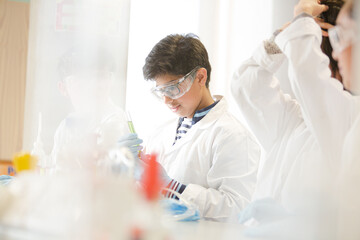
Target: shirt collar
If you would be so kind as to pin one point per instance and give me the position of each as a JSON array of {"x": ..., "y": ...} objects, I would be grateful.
[{"x": 199, "y": 114}]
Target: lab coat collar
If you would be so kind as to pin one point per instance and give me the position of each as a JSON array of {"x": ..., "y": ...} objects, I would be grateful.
[
  {"x": 215, "y": 113},
  {"x": 200, "y": 114}
]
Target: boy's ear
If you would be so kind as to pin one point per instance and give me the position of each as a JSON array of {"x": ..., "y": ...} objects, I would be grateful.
[
  {"x": 62, "y": 88},
  {"x": 202, "y": 76}
]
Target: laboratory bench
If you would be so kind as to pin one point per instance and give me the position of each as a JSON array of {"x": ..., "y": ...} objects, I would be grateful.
[
  {"x": 179, "y": 231},
  {"x": 209, "y": 230}
]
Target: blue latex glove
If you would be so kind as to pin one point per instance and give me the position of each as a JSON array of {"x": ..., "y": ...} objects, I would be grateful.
[
  {"x": 5, "y": 179},
  {"x": 180, "y": 211},
  {"x": 132, "y": 142},
  {"x": 263, "y": 210}
]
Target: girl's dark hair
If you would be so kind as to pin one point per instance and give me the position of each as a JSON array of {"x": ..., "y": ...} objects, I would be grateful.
[
  {"x": 334, "y": 8},
  {"x": 330, "y": 17},
  {"x": 176, "y": 55}
]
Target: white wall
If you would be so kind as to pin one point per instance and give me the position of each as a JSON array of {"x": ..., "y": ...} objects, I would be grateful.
[{"x": 150, "y": 21}]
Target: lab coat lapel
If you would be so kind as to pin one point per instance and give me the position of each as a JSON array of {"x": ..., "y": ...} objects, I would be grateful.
[{"x": 203, "y": 124}]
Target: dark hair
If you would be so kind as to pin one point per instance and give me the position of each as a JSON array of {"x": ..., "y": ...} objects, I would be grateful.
[
  {"x": 330, "y": 17},
  {"x": 331, "y": 14},
  {"x": 176, "y": 55},
  {"x": 85, "y": 58}
]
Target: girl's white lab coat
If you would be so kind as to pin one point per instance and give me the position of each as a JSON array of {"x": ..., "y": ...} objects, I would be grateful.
[
  {"x": 217, "y": 160},
  {"x": 328, "y": 110},
  {"x": 348, "y": 190},
  {"x": 292, "y": 154}
]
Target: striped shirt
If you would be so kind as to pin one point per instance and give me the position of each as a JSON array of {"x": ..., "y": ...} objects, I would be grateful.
[
  {"x": 183, "y": 127},
  {"x": 175, "y": 186},
  {"x": 186, "y": 123}
]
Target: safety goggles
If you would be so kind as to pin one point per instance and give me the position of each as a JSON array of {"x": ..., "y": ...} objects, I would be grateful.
[
  {"x": 341, "y": 38},
  {"x": 177, "y": 88}
]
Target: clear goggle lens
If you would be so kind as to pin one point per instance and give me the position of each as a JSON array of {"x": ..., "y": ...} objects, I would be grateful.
[
  {"x": 175, "y": 90},
  {"x": 340, "y": 38}
]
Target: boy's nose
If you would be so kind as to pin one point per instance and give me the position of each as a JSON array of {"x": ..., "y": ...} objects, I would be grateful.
[{"x": 167, "y": 99}]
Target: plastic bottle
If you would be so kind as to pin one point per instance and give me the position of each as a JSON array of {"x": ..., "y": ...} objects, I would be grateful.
[{"x": 38, "y": 151}]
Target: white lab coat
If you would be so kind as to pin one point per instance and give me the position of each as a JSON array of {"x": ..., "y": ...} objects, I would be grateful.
[
  {"x": 328, "y": 110},
  {"x": 291, "y": 153},
  {"x": 217, "y": 159},
  {"x": 348, "y": 189}
]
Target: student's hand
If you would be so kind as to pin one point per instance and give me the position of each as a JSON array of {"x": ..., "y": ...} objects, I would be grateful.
[
  {"x": 132, "y": 142},
  {"x": 324, "y": 26},
  {"x": 311, "y": 7},
  {"x": 164, "y": 178}
]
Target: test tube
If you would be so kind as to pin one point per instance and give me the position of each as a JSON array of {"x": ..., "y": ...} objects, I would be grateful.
[
  {"x": 131, "y": 126},
  {"x": 130, "y": 123}
]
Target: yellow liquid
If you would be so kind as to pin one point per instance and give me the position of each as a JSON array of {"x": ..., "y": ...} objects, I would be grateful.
[{"x": 131, "y": 127}]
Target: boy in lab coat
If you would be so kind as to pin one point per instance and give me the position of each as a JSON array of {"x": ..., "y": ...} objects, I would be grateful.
[
  {"x": 206, "y": 154},
  {"x": 84, "y": 138}
]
